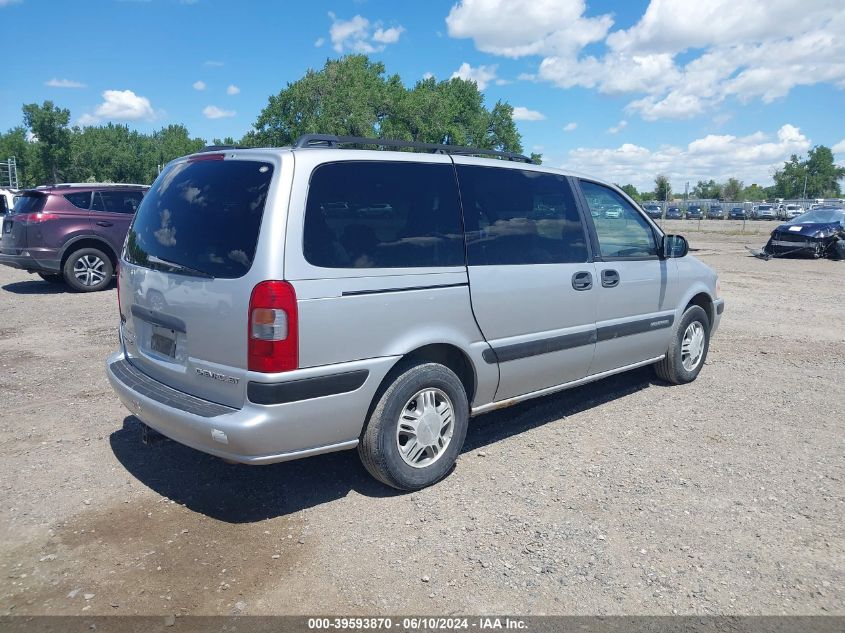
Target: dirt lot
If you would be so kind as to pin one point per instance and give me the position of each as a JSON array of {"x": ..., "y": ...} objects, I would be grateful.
[{"x": 625, "y": 496}]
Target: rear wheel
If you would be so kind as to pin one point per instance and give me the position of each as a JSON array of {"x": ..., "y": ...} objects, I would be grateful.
[
  {"x": 688, "y": 349},
  {"x": 53, "y": 278},
  {"x": 88, "y": 270},
  {"x": 417, "y": 428}
]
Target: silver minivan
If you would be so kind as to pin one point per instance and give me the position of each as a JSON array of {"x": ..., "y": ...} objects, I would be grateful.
[{"x": 280, "y": 303}]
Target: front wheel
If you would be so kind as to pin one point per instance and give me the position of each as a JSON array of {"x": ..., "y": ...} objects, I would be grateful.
[
  {"x": 688, "y": 348},
  {"x": 417, "y": 428},
  {"x": 88, "y": 270}
]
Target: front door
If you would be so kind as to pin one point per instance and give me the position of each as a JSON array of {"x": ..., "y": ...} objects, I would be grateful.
[
  {"x": 531, "y": 277},
  {"x": 635, "y": 288}
]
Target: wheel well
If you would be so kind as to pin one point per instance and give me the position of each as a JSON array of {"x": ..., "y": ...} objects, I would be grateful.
[
  {"x": 89, "y": 243},
  {"x": 451, "y": 357},
  {"x": 703, "y": 300}
]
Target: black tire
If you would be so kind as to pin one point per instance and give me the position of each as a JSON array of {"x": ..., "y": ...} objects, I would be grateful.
[
  {"x": 105, "y": 270},
  {"x": 53, "y": 278},
  {"x": 379, "y": 449},
  {"x": 671, "y": 368}
]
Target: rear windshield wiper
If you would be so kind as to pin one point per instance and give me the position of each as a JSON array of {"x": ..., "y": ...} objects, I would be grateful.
[{"x": 176, "y": 267}]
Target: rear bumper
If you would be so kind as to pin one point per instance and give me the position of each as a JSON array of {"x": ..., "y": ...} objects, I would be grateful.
[
  {"x": 33, "y": 261},
  {"x": 255, "y": 433}
]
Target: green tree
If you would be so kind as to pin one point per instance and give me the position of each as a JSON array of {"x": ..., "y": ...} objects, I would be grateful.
[
  {"x": 14, "y": 143},
  {"x": 732, "y": 190},
  {"x": 631, "y": 190},
  {"x": 662, "y": 187},
  {"x": 52, "y": 137},
  {"x": 820, "y": 174},
  {"x": 707, "y": 190},
  {"x": 353, "y": 96},
  {"x": 823, "y": 175},
  {"x": 754, "y": 193}
]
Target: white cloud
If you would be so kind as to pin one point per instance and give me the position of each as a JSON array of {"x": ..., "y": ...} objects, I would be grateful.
[
  {"x": 428, "y": 75},
  {"x": 839, "y": 148},
  {"x": 388, "y": 36},
  {"x": 751, "y": 158},
  {"x": 524, "y": 114},
  {"x": 618, "y": 127},
  {"x": 6, "y": 3},
  {"x": 516, "y": 28},
  {"x": 199, "y": 85},
  {"x": 233, "y": 90},
  {"x": 119, "y": 105},
  {"x": 212, "y": 63},
  {"x": 359, "y": 35},
  {"x": 671, "y": 64},
  {"x": 213, "y": 112},
  {"x": 63, "y": 83},
  {"x": 319, "y": 42},
  {"x": 570, "y": 126},
  {"x": 481, "y": 75}
]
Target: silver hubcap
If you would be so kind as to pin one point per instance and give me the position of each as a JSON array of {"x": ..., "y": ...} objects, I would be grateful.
[
  {"x": 692, "y": 346},
  {"x": 425, "y": 428},
  {"x": 89, "y": 270}
]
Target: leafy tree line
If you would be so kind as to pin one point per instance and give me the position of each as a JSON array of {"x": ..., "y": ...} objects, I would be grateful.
[
  {"x": 350, "y": 96},
  {"x": 815, "y": 177}
]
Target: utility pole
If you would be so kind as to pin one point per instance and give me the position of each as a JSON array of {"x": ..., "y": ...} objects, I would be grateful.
[{"x": 804, "y": 195}]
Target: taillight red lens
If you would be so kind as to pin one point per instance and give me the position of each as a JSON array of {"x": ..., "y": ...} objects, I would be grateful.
[
  {"x": 273, "y": 328},
  {"x": 36, "y": 218}
]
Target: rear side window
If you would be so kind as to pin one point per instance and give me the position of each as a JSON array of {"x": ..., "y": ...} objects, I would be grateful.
[
  {"x": 383, "y": 215},
  {"x": 30, "y": 203},
  {"x": 517, "y": 216},
  {"x": 201, "y": 216},
  {"x": 117, "y": 201},
  {"x": 79, "y": 200}
]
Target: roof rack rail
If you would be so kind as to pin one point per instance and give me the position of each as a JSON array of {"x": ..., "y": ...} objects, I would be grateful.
[
  {"x": 328, "y": 140},
  {"x": 66, "y": 185}
]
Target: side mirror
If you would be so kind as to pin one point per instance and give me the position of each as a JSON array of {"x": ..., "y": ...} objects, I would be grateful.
[{"x": 675, "y": 246}]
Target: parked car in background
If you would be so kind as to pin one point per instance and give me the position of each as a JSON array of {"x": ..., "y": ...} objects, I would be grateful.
[
  {"x": 694, "y": 212},
  {"x": 792, "y": 211},
  {"x": 673, "y": 213},
  {"x": 764, "y": 212},
  {"x": 653, "y": 210},
  {"x": 613, "y": 212},
  {"x": 242, "y": 359},
  {"x": 71, "y": 232},
  {"x": 716, "y": 212},
  {"x": 737, "y": 213}
]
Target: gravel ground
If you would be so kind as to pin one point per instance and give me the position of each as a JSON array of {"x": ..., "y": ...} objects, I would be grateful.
[{"x": 626, "y": 496}]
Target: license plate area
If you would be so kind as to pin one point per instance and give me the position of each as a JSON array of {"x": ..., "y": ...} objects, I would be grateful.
[{"x": 163, "y": 342}]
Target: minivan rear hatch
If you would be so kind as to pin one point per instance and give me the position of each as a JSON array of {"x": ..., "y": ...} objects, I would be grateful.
[{"x": 182, "y": 290}]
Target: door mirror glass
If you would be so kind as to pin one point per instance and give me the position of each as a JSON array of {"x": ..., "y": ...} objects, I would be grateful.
[{"x": 675, "y": 246}]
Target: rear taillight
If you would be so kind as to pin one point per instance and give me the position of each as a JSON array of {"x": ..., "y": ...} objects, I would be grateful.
[
  {"x": 273, "y": 328},
  {"x": 36, "y": 218}
]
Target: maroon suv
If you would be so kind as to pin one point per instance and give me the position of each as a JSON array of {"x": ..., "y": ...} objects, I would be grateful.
[{"x": 72, "y": 233}]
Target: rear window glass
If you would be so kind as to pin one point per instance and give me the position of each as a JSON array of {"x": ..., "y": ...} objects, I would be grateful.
[
  {"x": 30, "y": 203},
  {"x": 383, "y": 215},
  {"x": 201, "y": 216}
]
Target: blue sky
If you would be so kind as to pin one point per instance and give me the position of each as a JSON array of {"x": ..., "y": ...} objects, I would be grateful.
[{"x": 623, "y": 89}]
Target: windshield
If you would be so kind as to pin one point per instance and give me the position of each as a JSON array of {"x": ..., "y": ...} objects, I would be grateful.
[
  {"x": 820, "y": 216},
  {"x": 201, "y": 218}
]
